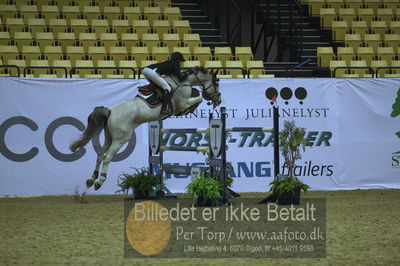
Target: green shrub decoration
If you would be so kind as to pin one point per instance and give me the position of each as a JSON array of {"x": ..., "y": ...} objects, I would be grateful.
[
  {"x": 205, "y": 190},
  {"x": 141, "y": 182}
]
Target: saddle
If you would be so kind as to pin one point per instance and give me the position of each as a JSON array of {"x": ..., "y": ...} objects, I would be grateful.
[{"x": 157, "y": 97}]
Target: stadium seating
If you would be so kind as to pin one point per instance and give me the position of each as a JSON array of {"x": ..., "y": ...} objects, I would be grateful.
[{"x": 94, "y": 33}]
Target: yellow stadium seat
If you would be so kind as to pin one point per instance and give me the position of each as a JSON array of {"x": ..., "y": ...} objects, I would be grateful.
[
  {"x": 50, "y": 11},
  {"x": 87, "y": 39},
  {"x": 171, "y": 39},
  {"x": 112, "y": 12},
  {"x": 75, "y": 53},
  {"x": 352, "y": 40},
  {"x": 347, "y": 14},
  {"x": 132, "y": 12},
  {"x": 359, "y": 27},
  {"x": 203, "y": 54},
  {"x": 45, "y": 38},
  {"x": 333, "y": 64},
  {"x": 8, "y": 11},
  {"x": 36, "y": 25},
  {"x": 386, "y": 53},
  {"x": 84, "y": 63},
  {"x": 244, "y": 53},
  {"x": 324, "y": 56},
  {"x": 191, "y": 40},
  {"x": 337, "y": 4},
  {"x": 62, "y": 63},
  {"x": 378, "y": 63},
  {"x": 354, "y": 3},
  {"x": 23, "y": 38},
  {"x": 160, "y": 53},
  {"x": 58, "y": 25},
  {"x": 152, "y": 13},
  {"x": 31, "y": 52},
  {"x": 255, "y": 68},
  {"x": 118, "y": 53},
  {"x": 120, "y": 25},
  {"x": 315, "y": 7},
  {"x": 373, "y": 40},
  {"x": 91, "y": 12},
  {"x": 15, "y": 25},
  {"x": 223, "y": 54},
  {"x": 29, "y": 11},
  {"x": 191, "y": 64},
  {"x": 213, "y": 65},
  {"x": 395, "y": 26},
  {"x": 140, "y": 53},
  {"x": 97, "y": 52},
  {"x": 109, "y": 39},
  {"x": 379, "y": 27},
  {"x": 141, "y": 26},
  {"x": 17, "y": 62},
  {"x": 39, "y": 71},
  {"x": 142, "y": 3},
  {"x": 181, "y": 27},
  {"x": 339, "y": 29},
  {"x": 130, "y": 39},
  {"x": 346, "y": 53},
  {"x": 150, "y": 40},
  {"x": 163, "y": 3},
  {"x": 392, "y": 39},
  {"x": 361, "y": 64},
  {"x": 161, "y": 26},
  {"x": 53, "y": 52},
  {"x": 100, "y": 25},
  {"x": 70, "y": 11},
  {"x": 8, "y": 52},
  {"x": 106, "y": 63},
  {"x": 374, "y": 4},
  {"x": 128, "y": 63},
  {"x": 327, "y": 16},
  {"x": 172, "y": 13},
  {"x": 66, "y": 38},
  {"x": 233, "y": 67},
  {"x": 385, "y": 14},
  {"x": 79, "y": 25},
  {"x": 366, "y": 14},
  {"x": 366, "y": 53},
  {"x": 4, "y": 37}
]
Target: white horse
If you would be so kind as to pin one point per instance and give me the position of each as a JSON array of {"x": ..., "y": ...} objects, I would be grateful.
[{"x": 120, "y": 121}]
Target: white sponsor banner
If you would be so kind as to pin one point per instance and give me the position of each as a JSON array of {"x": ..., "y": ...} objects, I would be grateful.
[{"x": 350, "y": 131}]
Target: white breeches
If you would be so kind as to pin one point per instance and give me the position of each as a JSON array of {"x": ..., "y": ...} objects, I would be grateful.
[{"x": 152, "y": 75}]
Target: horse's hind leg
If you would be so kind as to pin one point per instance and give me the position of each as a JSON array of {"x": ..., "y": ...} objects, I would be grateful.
[
  {"x": 115, "y": 146},
  {"x": 100, "y": 158}
]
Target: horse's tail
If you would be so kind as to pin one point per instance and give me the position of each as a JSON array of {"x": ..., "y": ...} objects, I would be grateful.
[{"x": 97, "y": 120}]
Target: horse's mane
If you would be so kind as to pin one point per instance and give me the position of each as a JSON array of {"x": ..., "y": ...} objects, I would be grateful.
[{"x": 200, "y": 69}]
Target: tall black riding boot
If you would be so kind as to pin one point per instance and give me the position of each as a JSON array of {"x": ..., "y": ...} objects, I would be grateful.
[{"x": 164, "y": 106}]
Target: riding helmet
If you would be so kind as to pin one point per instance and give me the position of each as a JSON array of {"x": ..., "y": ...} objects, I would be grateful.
[{"x": 177, "y": 56}]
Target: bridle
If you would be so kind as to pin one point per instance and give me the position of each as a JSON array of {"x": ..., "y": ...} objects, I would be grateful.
[{"x": 205, "y": 90}]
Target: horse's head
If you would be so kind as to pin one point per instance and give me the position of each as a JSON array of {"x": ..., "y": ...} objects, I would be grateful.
[{"x": 209, "y": 83}]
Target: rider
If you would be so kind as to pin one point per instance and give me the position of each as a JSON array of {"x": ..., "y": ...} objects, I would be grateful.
[{"x": 173, "y": 66}]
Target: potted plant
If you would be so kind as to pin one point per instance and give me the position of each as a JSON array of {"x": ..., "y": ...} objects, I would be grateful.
[
  {"x": 206, "y": 191},
  {"x": 286, "y": 189},
  {"x": 142, "y": 182}
]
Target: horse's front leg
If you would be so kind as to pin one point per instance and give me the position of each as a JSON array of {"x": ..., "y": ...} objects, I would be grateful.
[{"x": 185, "y": 107}]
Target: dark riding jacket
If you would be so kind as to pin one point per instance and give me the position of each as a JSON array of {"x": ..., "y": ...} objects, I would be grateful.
[{"x": 169, "y": 67}]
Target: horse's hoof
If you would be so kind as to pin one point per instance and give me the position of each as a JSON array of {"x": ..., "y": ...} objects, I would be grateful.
[
  {"x": 89, "y": 183},
  {"x": 97, "y": 185}
]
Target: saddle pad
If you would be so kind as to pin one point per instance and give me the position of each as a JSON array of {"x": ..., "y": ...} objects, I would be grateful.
[{"x": 152, "y": 100}]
